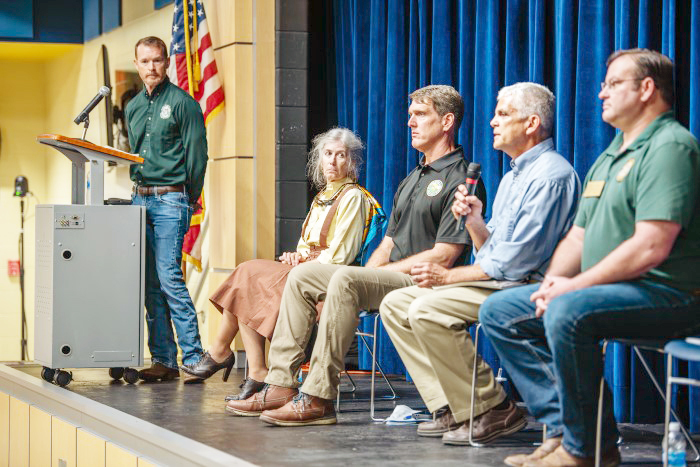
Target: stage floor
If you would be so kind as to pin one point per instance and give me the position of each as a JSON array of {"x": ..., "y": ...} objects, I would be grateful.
[{"x": 197, "y": 412}]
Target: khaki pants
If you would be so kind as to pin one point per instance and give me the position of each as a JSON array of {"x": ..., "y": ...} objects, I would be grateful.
[
  {"x": 430, "y": 331},
  {"x": 346, "y": 291}
]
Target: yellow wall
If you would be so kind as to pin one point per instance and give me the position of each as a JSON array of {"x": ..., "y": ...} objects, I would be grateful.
[
  {"x": 43, "y": 96},
  {"x": 22, "y": 117}
]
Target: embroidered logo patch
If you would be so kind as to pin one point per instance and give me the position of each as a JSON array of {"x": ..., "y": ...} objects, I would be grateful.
[
  {"x": 434, "y": 188},
  {"x": 165, "y": 111},
  {"x": 625, "y": 170}
]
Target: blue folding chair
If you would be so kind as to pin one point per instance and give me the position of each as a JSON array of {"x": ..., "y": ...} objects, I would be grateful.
[
  {"x": 685, "y": 349},
  {"x": 637, "y": 346}
]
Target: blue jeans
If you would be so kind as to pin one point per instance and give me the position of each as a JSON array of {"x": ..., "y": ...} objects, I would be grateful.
[
  {"x": 556, "y": 361},
  {"x": 168, "y": 301}
]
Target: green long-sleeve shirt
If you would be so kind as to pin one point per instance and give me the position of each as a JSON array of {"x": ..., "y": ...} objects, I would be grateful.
[{"x": 166, "y": 128}]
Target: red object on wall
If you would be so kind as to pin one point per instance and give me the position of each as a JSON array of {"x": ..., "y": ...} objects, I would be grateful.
[{"x": 13, "y": 268}]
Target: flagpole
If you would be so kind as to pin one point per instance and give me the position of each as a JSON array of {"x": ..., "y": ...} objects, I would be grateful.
[
  {"x": 186, "y": 18},
  {"x": 196, "y": 72},
  {"x": 188, "y": 57}
]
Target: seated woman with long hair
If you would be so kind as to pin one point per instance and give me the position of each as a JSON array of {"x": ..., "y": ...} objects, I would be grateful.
[{"x": 249, "y": 299}]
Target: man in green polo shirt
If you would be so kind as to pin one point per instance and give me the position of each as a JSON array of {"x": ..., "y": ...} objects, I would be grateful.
[
  {"x": 624, "y": 270},
  {"x": 166, "y": 128}
]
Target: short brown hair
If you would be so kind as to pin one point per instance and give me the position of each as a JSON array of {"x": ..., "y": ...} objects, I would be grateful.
[
  {"x": 152, "y": 41},
  {"x": 445, "y": 100},
  {"x": 653, "y": 64}
]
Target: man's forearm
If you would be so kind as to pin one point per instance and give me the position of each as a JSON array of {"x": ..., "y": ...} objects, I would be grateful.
[
  {"x": 440, "y": 254},
  {"x": 478, "y": 233},
  {"x": 640, "y": 253},
  {"x": 566, "y": 260},
  {"x": 380, "y": 257},
  {"x": 466, "y": 273}
]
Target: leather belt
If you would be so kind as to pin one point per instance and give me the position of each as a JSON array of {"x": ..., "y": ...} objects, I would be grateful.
[{"x": 158, "y": 190}]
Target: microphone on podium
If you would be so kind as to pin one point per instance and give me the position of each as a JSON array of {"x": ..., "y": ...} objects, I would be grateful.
[
  {"x": 103, "y": 92},
  {"x": 473, "y": 174}
]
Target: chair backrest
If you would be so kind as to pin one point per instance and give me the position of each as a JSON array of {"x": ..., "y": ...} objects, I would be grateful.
[{"x": 375, "y": 224}]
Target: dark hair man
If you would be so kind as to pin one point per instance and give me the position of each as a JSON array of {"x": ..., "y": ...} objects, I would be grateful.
[
  {"x": 166, "y": 128},
  {"x": 421, "y": 228},
  {"x": 428, "y": 322},
  {"x": 626, "y": 269}
]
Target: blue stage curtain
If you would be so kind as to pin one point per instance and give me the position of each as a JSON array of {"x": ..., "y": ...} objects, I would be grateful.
[{"x": 385, "y": 49}]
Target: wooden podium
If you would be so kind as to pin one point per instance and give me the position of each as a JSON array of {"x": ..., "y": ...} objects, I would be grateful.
[
  {"x": 82, "y": 152},
  {"x": 90, "y": 270}
]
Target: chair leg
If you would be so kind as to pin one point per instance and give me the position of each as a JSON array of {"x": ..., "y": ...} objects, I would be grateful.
[
  {"x": 352, "y": 381},
  {"x": 664, "y": 396},
  {"x": 473, "y": 391},
  {"x": 667, "y": 410},
  {"x": 354, "y": 388},
  {"x": 375, "y": 365},
  {"x": 599, "y": 419},
  {"x": 381, "y": 371}
]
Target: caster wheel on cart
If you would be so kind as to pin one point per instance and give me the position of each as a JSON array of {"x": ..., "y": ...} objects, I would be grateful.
[
  {"x": 131, "y": 376},
  {"x": 47, "y": 374},
  {"x": 116, "y": 373},
  {"x": 63, "y": 378}
]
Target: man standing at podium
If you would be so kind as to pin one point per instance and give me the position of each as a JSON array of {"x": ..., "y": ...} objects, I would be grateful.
[{"x": 166, "y": 128}]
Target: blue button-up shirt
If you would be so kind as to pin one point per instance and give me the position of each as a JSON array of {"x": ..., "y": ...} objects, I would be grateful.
[{"x": 534, "y": 208}]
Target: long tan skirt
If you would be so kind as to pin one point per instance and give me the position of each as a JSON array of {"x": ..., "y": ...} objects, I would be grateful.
[{"x": 253, "y": 293}]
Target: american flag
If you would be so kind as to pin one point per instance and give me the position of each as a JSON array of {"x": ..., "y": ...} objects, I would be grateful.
[
  {"x": 206, "y": 87},
  {"x": 193, "y": 68}
]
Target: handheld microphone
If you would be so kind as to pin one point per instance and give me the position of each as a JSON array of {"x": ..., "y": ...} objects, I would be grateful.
[
  {"x": 473, "y": 174},
  {"x": 103, "y": 92}
]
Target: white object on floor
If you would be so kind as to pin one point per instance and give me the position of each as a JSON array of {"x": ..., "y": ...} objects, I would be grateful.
[{"x": 401, "y": 415}]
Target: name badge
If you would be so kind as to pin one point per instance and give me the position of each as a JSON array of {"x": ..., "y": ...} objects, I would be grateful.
[{"x": 594, "y": 188}]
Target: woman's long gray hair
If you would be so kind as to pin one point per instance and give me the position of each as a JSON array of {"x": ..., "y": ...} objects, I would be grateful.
[{"x": 353, "y": 146}]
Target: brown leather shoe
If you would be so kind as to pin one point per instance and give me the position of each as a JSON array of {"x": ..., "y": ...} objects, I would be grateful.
[
  {"x": 270, "y": 397},
  {"x": 443, "y": 422},
  {"x": 560, "y": 458},
  {"x": 488, "y": 426},
  {"x": 158, "y": 372},
  {"x": 518, "y": 460},
  {"x": 301, "y": 411}
]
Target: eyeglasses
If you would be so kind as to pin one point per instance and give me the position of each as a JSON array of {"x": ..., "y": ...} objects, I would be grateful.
[{"x": 612, "y": 84}]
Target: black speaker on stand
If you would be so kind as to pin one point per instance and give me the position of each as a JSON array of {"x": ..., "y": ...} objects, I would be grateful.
[{"x": 21, "y": 190}]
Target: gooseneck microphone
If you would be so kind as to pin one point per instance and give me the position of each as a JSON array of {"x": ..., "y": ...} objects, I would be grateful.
[
  {"x": 473, "y": 174},
  {"x": 103, "y": 92}
]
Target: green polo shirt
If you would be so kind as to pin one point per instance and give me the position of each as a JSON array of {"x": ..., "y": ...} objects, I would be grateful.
[
  {"x": 655, "y": 179},
  {"x": 166, "y": 128}
]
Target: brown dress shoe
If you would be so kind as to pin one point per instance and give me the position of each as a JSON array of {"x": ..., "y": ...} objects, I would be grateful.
[
  {"x": 435, "y": 428},
  {"x": 301, "y": 411},
  {"x": 488, "y": 426},
  {"x": 270, "y": 397},
  {"x": 518, "y": 460},
  {"x": 560, "y": 458},
  {"x": 158, "y": 372}
]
